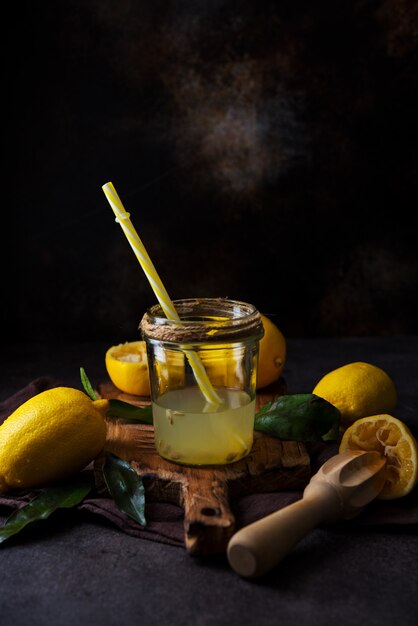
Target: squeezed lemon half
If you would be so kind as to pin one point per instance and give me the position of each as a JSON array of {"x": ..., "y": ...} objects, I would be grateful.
[
  {"x": 392, "y": 438},
  {"x": 127, "y": 366}
]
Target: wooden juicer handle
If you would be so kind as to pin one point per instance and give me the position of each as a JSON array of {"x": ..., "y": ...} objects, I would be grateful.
[{"x": 339, "y": 490}]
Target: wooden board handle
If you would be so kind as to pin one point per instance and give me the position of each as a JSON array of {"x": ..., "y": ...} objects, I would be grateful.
[
  {"x": 208, "y": 521},
  {"x": 256, "y": 548}
]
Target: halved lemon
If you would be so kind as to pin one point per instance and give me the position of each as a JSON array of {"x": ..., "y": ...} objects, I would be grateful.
[
  {"x": 392, "y": 438},
  {"x": 127, "y": 366}
]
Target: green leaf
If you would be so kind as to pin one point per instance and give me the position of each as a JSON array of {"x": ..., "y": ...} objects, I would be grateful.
[
  {"x": 299, "y": 417},
  {"x": 333, "y": 434},
  {"x": 118, "y": 409},
  {"x": 125, "y": 487},
  {"x": 87, "y": 384},
  {"x": 265, "y": 408},
  {"x": 63, "y": 496}
]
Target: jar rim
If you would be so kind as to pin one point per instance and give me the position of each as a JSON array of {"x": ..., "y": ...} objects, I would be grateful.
[{"x": 203, "y": 319}]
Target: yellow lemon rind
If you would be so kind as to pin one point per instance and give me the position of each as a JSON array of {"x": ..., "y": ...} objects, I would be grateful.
[
  {"x": 358, "y": 389},
  {"x": 272, "y": 354},
  {"x": 49, "y": 437}
]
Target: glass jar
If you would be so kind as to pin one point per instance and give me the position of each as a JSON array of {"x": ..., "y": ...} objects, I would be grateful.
[{"x": 222, "y": 336}]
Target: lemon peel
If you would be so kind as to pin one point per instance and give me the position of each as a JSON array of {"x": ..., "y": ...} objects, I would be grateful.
[{"x": 272, "y": 354}]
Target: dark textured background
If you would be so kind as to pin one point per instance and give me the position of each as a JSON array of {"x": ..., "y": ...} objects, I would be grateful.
[{"x": 266, "y": 152}]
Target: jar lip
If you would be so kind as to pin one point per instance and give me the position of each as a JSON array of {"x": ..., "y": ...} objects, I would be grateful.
[
  {"x": 188, "y": 306},
  {"x": 209, "y": 319}
]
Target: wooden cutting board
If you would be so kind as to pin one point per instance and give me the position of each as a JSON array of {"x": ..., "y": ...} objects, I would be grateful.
[{"x": 205, "y": 492}]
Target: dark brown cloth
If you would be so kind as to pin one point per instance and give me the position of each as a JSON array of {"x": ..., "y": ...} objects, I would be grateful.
[{"x": 165, "y": 520}]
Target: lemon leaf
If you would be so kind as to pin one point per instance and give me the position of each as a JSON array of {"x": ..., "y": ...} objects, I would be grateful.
[
  {"x": 299, "y": 417},
  {"x": 125, "y": 487},
  {"x": 118, "y": 409},
  {"x": 63, "y": 496},
  {"x": 87, "y": 384}
]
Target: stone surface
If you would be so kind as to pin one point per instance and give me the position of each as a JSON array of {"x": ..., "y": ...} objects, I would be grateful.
[{"x": 65, "y": 572}]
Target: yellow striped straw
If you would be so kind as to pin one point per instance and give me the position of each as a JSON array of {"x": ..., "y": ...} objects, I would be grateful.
[{"x": 123, "y": 218}]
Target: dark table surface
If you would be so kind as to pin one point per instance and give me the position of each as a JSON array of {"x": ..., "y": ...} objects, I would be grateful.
[{"x": 82, "y": 571}]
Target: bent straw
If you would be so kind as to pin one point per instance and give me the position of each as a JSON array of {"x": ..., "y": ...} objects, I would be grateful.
[{"x": 123, "y": 218}]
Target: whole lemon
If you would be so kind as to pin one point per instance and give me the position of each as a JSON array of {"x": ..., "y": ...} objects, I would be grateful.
[
  {"x": 272, "y": 354},
  {"x": 358, "y": 390},
  {"x": 50, "y": 437}
]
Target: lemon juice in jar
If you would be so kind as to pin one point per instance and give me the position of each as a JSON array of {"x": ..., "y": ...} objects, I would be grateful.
[
  {"x": 224, "y": 336},
  {"x": 187, "y": 429}
]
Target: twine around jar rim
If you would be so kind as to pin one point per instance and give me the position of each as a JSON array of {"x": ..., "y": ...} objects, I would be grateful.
[{"x": 238, "y": 321}]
